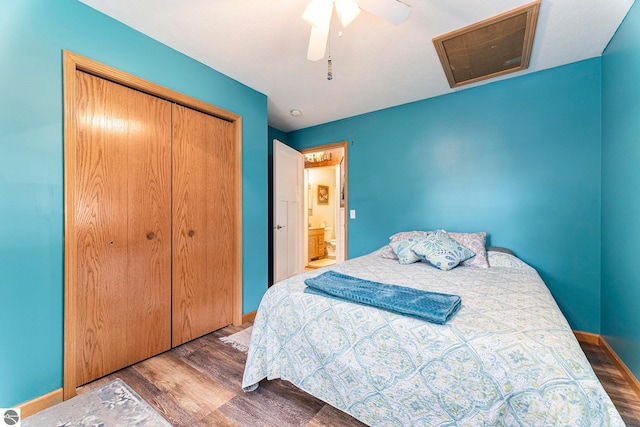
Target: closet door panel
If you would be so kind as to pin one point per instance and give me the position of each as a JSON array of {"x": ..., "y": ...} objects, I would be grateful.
[
  {"x": 203, "y": 224},
  {"x": 123, "y": 205}
]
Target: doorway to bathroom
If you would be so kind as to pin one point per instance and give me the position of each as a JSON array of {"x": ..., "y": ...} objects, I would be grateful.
[{"x": 325, "y": 195}]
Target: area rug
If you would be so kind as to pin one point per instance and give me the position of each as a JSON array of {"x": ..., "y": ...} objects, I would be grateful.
[
  {"x": 240, "y": 340},
  {"x": 113, "y": 404}
]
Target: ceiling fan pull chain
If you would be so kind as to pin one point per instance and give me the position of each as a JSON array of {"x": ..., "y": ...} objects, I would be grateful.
[{"x": 329, "y": 64}]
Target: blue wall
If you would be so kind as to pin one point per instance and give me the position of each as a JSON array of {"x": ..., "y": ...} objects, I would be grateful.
[
  {"x": 518, "y": 158},
  {"x": 620, "y": 198},
  {"x": 32, "y": 36}
]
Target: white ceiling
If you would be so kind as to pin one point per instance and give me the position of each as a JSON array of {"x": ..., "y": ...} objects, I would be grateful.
[{"x": 263, "y": 44}]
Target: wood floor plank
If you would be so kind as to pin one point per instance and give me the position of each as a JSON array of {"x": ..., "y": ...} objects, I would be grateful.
[
  {"x": 199, "y": 384},
  {"x": 217, "y": 419},
  {"x": 196, "y": 394},
  {"x": 274, "y": 403},
  {"x": 623, "y": 396},
  {"x": 219, "y": 361},
  {"x": 166, "y": 405},
  {"x": 329, "y": 416}
]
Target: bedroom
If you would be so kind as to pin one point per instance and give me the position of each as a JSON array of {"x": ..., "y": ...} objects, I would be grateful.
[{"x": 570, "y": 215}]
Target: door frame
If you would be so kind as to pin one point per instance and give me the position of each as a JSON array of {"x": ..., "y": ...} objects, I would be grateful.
[
  {"x": 73, "y": 62},
  {"x": 344, "y": 145}
]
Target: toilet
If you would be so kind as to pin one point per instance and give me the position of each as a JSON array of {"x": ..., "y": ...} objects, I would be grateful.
[{"x": 329, "y": 242}]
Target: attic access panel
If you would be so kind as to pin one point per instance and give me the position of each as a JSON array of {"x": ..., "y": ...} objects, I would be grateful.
[{"x": 489, "y": 48}]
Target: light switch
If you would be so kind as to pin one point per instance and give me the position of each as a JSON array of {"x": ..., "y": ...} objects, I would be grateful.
[{"x": 352, "y": 214}]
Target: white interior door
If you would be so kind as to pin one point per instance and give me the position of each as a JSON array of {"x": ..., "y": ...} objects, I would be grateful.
[
  {"x": 339, "y": 222},
  {"x": 288, "y": 205}
]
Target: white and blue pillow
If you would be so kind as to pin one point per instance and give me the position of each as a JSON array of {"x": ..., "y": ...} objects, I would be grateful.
[
  {"x": 402, "y": 249},
  {"x": 441, "y": 250}
]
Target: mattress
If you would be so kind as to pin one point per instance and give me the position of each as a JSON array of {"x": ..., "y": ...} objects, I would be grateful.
[{"x": 508, "y": 357}]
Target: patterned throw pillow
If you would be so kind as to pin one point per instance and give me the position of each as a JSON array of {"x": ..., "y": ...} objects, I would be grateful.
[
  {"x": 477, "y": 243},
  {"x": 442, "y": 251},
  {"x": 501, "y": 259},
  {"x": 404, "y": 235},
  {"x": 402, "y": 249},
  {"x": 387, "y": 251}
]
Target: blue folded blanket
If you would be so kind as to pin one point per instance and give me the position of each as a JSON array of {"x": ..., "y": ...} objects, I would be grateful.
[{"x": 430, "y": 306}]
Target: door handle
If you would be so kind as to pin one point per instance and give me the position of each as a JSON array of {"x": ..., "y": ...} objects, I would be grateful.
[{"x": 278, "y": 227}]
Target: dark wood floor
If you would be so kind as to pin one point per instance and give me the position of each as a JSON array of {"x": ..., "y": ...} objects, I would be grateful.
[
  {"x": 198, "y": 384},
  {"x": 625, "y": 399}
]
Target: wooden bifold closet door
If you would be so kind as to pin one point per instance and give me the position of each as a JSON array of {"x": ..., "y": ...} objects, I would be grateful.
[
  {"x": 155, "y": 225},
  {"x": 203, "y": 224},
  {"x": 123, "y": 226}
]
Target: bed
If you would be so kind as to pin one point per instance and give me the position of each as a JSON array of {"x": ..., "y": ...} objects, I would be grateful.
[{"x": 507, "y": 357}]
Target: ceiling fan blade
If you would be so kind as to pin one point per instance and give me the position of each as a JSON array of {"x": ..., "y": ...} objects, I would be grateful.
[
  {"x": 318, "y": 14},
  {"x": 347, "y": 11},
  {"x": 318, "y": 43},
  {"x": 392, "y": 11}
]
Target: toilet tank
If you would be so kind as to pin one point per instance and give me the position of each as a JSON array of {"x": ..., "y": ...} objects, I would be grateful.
[{"x": 328, "y": 234}]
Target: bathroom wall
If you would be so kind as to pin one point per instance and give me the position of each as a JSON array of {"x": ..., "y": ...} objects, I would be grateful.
[{"x": 326, "y": 213}]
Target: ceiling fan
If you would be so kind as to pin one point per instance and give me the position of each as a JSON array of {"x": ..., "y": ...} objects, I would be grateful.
[{"x": 318, "y": 13}]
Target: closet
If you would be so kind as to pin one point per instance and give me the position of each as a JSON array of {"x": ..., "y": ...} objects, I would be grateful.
[{"x": 151, "y": 222}]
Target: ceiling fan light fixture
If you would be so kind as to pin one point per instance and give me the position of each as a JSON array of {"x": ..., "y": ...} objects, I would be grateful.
[
  {"x": 347, "y": 10},
  {"x": 318, "y": 13}
]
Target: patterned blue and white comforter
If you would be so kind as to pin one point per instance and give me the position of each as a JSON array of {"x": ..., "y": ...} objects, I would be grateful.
[{"x": 508, "y": 357}]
